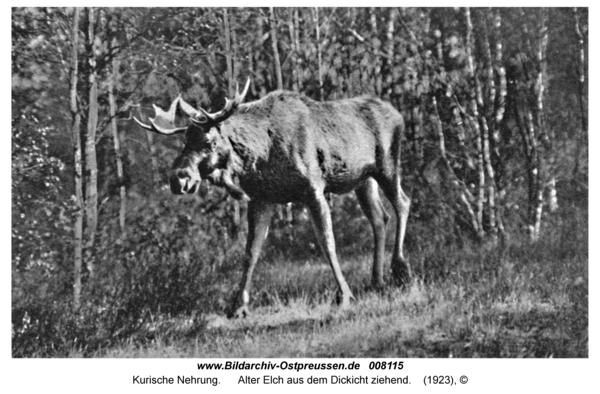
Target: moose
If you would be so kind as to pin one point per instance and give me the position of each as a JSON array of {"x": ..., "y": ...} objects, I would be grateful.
[{"x": 288, "y": 148}]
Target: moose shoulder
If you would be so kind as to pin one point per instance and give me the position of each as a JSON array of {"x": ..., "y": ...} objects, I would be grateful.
[{"x": 285, "y": 148}]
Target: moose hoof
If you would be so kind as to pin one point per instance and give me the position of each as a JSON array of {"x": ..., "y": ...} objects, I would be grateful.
[
  {"x": 343, "y": 300},
  {"x": 377, "y": 285},
  {"x": 401, "y": 272},
  {"x": 377, "y": 288},
  {"x": 239, "y": 313}
]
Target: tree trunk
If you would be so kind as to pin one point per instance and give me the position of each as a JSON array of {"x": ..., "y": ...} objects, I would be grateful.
[
  {"x": 273, "y": 23},
  {"x": 318, "y": 36},
  {"x": 253, "y": 91},
  {"x": 236, "y": 216},
  {"x": 77, "y": 159},
  {"x": 540, "y": 126},
  {"x": 236, "y": 225},
  {"x": 235, "y": 55},
  {"x": 499, "y": 110},
  {"x": 378, "y": 81},
  {"x": 487, "y": 110},
  {"x": 529, "y": 95},
  {"x": 91, "y": 166},
  {"x": 473, "y": 119},
  {"x": 295, "y": 41},
  {"x": 228, "y": 57},
  {"x": 552, "y": 195},
  {"x": 112, "y": 83},
  {"x": 153, "y": 160},
  {"x": 582, "y": 133},
  {"x": 416, "y": 118},
  {"x": 390, "y": 54}
]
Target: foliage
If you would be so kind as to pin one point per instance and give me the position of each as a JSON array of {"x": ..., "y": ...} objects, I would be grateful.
[
  {"x": 157, "y": 270},
  {"x": 38, "y": 210}
]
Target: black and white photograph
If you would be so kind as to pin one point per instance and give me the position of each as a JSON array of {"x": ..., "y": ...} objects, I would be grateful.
[{"x": 215, "y": 183}]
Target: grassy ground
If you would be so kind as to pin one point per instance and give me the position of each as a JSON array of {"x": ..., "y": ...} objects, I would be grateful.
[
  {"x": 466, "y": 300},
  {"x": 517, "y": 302}
]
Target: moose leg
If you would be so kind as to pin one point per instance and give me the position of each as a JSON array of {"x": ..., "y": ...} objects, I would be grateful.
[
  {"x": 259, "y": 216},
  {"x": 401, "y": 203},
  {"x": 321, "y": 220},
  {"x": 370, "y": 202}
]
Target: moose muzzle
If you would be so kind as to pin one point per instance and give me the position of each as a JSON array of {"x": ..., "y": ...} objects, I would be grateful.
[{"x": 184, "y": 180}]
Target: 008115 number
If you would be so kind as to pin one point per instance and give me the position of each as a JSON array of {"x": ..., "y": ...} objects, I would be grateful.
[{"x": 383, "y": 365}]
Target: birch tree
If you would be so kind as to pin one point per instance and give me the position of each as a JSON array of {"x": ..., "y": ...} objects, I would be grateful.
[
  {"x": 90, "y": 170},
  {"x": 112, "y": 84},
  {"x": 77, "y": 161},
  {"x": 319, "y": 56},
  {"x": 276, "y": 60},
  {"x": 229, "y": 56},
  {"x": 294, "y": 27},
  {"x": 581, "y": 73},
  {"x": 528, "y": 105}
]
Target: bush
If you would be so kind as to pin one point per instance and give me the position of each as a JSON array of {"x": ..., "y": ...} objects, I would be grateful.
[{"x": 166, "y": 264}]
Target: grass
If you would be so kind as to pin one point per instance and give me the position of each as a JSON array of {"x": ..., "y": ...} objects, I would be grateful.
[
  {"x": 518, "y": 302},
  {"x": 515, "y": 300}
]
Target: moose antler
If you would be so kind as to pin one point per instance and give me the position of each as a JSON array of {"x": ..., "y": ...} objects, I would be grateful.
[
  {"x": 217, "y": 117},
  {"x": 164, "y": 121}
]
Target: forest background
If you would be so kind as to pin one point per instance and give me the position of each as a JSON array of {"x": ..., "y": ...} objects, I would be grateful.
[{"x": 105, "y": 262}]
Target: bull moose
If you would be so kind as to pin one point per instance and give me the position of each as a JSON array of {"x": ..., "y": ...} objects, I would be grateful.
[{"x": 286, "y": 148}]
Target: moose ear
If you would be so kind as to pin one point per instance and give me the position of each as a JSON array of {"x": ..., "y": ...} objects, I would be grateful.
[
  {"x": 214, "y": 129},
  {"x": 211, "y": 134}
]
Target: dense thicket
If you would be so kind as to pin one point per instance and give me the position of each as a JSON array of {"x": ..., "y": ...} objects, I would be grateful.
[{"x": 495, "y": 104}]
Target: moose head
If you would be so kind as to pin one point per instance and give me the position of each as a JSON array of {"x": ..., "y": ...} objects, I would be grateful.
[{"x": 206, "y": 153}]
